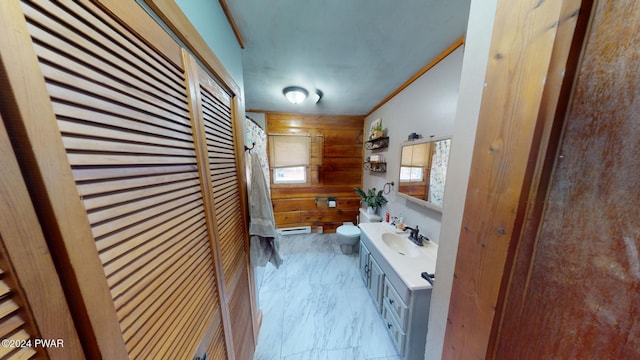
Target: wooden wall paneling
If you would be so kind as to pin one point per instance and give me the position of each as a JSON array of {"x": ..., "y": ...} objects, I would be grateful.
[
  {"x": 554, "y": 104},
  {"x": 330, "y": 123},
  {"x": 32, "y": 303},
  {"x": 283, "y": 205},
  {"x": 316, "y": 158},
  {"x": 338, "y": 164},
  {"x": 559, "y": 305},
  {"x": 336, "y": 168},
  {"x": 217, "y": 126},
  {"x": 310, "y": 192},
  {"x": 30, "y": 123},
  {"x": 289, "y": 217},
  {"x": 223, "y": 330},
  {"x": 506, "y": 147},
  {"x": 335, "y": 177},
  {"x": 330, "y": 215}
]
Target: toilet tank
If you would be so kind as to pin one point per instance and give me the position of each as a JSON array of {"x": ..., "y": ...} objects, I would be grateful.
[{"x": 365, "y": 217}]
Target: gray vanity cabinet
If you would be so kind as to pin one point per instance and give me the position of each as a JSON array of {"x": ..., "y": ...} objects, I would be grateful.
[
  {"x": 372, "y": 275},
  {"x": 364, "y": 263},
  {"x": 394, "y": 313},
  {"x": 404, "y": 310}
]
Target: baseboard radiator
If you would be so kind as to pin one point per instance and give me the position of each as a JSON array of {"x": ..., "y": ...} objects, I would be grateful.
[{"x": 295, "y": 230}]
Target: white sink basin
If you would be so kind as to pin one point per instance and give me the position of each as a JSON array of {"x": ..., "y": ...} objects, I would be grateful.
[
  {"x": 400, "y": 245},
  {"x": 406, "y": 259}
]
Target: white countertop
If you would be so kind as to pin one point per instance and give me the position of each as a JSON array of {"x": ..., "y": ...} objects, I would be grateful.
[{"x": 408, "y": 267}]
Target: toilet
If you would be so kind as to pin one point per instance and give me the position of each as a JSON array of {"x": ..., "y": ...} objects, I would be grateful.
[{"x": 349, "y": 234}]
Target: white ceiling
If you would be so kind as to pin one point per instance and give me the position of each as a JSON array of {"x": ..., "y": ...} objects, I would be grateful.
[{"x": 356, "y": 52}]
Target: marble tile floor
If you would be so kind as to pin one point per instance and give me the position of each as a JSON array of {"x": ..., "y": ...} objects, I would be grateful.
[{"x": 316, "y": 307}]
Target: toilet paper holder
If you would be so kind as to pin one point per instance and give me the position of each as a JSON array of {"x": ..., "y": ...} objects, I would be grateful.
[{"x": 330, "y": 201}]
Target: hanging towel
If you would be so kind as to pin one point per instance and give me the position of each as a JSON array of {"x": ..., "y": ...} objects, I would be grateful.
[{"x": 264, "y": 242}]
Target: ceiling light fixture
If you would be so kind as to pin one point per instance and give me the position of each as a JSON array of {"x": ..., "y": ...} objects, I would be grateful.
[{"x": 295, "y": 94}]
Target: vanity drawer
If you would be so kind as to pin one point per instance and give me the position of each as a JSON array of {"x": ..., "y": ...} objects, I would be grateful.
[
  {"x": 393, "y": 328},
  {"x": 397, "y": 307}
]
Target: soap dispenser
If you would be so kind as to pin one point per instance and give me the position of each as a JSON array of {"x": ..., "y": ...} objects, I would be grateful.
[{"x": 400, "y": 223}]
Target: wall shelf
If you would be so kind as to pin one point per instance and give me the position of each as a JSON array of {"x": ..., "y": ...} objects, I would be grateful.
[
  {"x": 378, "y": 143},
  {"x": 375, "y": 166}
]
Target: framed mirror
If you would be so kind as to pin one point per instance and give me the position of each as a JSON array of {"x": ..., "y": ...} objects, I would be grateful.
[{"x": 423, "y": 170}]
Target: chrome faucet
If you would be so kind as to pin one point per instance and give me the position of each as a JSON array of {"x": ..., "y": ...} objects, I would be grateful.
[{"x": 415, "y": 236}]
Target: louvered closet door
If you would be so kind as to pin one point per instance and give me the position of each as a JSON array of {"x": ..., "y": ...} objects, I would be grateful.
[
  {"x": 15, "y": 326},
  {"x": 215, "y": 115},
  {"x": 123, "y": 113},
  {"x": 32, "y": 304},
  {"x": 16, "y": 331}
]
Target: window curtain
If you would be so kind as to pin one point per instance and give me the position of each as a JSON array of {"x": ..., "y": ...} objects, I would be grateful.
[
  {"x": 256, "y": 137},
  {"x": 289, "y": 150},
  {"x": 418, "y": 155}
]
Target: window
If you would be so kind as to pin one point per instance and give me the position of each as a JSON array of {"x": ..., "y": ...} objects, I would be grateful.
[
  {"x": 415, "y": 160},
  {"x": 411, "y": 173},
  {"x": 290, "y": 175},
  {"x": 289, "y": 158}
]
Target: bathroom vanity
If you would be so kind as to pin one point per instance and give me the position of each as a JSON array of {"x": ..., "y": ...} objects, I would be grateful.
[{"x": 391, "y": 267}]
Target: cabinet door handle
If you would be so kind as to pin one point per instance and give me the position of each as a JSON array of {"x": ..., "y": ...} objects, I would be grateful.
[
  {"x": 391, "y": 302},
  {"x": 389, "y": 325},
  {"x": 366, "y": 268}
]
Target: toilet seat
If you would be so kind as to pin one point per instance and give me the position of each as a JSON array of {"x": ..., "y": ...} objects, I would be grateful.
[
  {"x": 350, "y": 231},
  {"x": 348, "y": 238}
]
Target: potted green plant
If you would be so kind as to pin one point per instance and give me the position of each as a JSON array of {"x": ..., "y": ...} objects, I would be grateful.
[
  {"x": 373, "y": 198},
  {"x": 377, "y": 131}
]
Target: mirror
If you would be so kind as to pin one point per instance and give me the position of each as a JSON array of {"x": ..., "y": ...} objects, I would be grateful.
[{"x": 423, "y": 171}]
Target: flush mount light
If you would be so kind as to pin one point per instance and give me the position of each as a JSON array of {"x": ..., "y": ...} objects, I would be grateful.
[{"x": 295, "y": 94}]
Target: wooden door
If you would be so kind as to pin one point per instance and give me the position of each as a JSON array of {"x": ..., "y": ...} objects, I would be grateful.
[
  {"x": 575, "y": 292},
  {"x": 122, "y": 113},
  {"x": 547, "y": 264},
  {"x": 32, "y": 303},
  {"x": 103, "y": 126},
  {"x": 217, "y": 135}
]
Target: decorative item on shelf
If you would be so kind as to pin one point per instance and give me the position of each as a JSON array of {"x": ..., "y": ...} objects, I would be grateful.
[
  {"x": 375, "y": 130},
  {"x": 375, "y": 166},
  {"x": 372, "y": 198},
  {"x": 375, "y": 158},
  {"x": 379, "y": 143},
  {"x": 414, "y": 136}
]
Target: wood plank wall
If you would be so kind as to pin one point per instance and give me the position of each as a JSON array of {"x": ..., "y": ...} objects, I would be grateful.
[
  {"x": 529, "y": 50},
  {"x": 559, "y": 306},
  {"x": 336, "y": 168}
]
